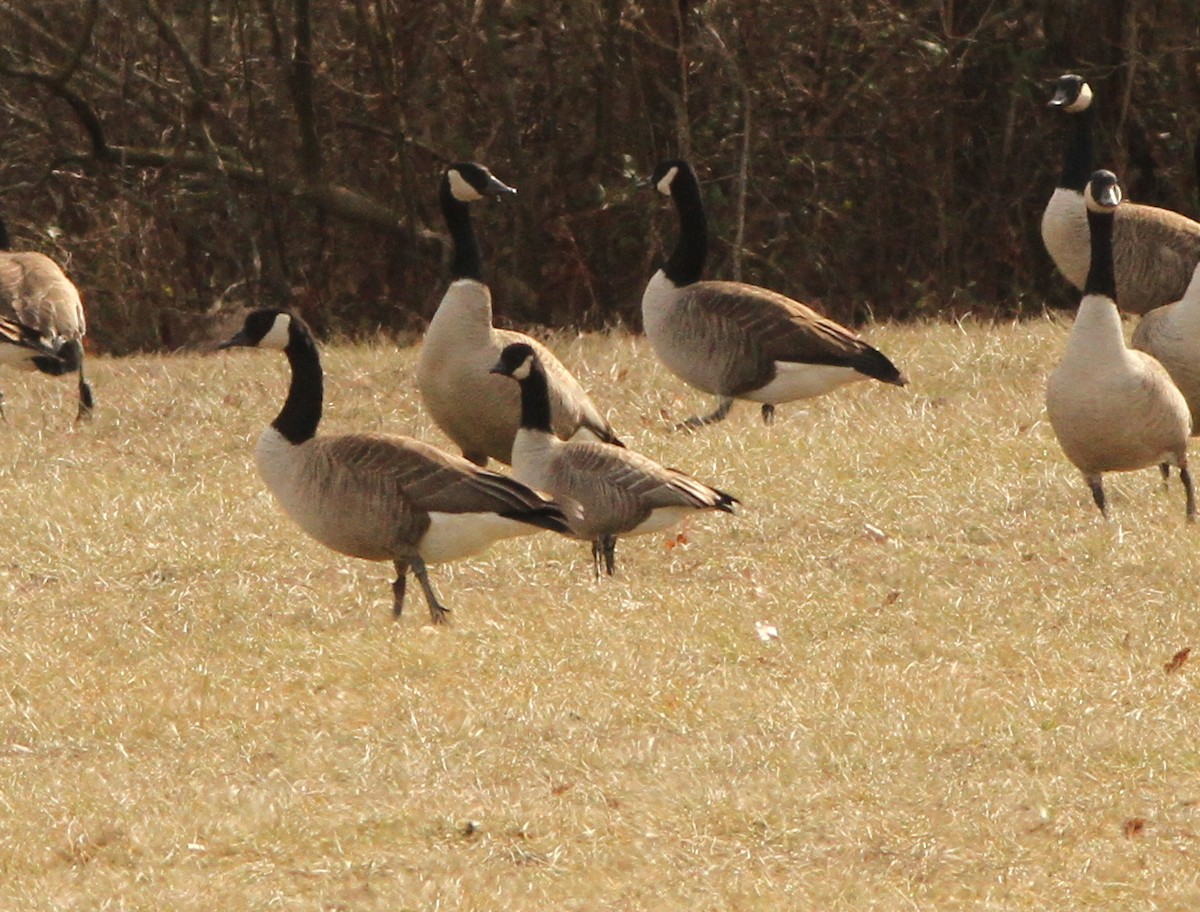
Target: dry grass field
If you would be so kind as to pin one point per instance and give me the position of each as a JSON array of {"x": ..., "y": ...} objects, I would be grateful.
[{"x": 968, "y": 706}]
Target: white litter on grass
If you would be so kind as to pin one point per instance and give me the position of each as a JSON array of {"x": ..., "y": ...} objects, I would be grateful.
[{"x": 766, "y": 632}]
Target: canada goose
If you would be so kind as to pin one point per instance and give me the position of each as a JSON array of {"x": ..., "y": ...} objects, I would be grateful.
[
  {"x": 477, "y": 410},
  {"x": 1154, "y": 250},
  {"x": 1172, "y": 335},
  {"x": 607, "y": 491},
  {"x": 1113, "y": 409},
  {"x": 739, "y": 341},
  {"x": 379, "y": 498},
  {"x": 37, "y": 294}
]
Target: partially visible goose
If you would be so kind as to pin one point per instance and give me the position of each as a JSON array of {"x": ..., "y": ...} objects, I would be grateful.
[
  {"x": 36, "y": 293},
  {"x": 479, "y": 411},
  {"x": 1113, "y": 409},
  {"x": 1154, "y": 250},
  {"x": 739, "y": 341},
  {"x": 606, "y": 490},
  {"x": 23, "y": 347},
  {"x": 1172, "y": 335},
  {"x": 379, "y": 498}
]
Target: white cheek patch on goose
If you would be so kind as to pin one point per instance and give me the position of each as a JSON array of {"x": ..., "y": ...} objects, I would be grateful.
[
  {"x": 523, "y": 369},
  {"x": 277, "y": 337},
  {"x": 1083, "y": 102},
  {"x": 664, "y": 185},
  {"x": 462, "y": 190}
]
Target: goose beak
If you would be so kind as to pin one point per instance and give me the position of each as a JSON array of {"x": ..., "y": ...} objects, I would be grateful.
[
  {"x": 497, "y": 187},
  {"x": 498, "y": 368},
  {"x": 1059, "y": 100},
  {"x": 238, "y": 340}
]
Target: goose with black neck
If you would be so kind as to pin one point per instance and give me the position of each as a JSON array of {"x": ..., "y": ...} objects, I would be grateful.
[{"x": 379, "y": 498}]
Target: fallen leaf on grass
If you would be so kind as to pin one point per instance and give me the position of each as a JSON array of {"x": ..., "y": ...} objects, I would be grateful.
[
  {"x": 1133, "y": 827},
  {"x": 1177, "y": 660}
]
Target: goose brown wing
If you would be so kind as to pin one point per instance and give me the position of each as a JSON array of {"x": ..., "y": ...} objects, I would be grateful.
[
  {"x": 767, "y": 327},
  {"x": 432, "y": 480},
  {"x": 1155, "y": 252},
  {"x": 36, "y": 291},
  {"x": 617, "y": 489}
]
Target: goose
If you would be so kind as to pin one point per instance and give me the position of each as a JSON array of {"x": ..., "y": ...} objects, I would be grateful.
[
  {"x": 1113, "y": 409},
  {"x": 1154, "y": 250},
  {"x": 1171, "y": 334},
  {"x": 477, "y": 410},
  {"x": 607, "y": 490},
  {"x": 379, "y": 498},
  {"x": 36, "y": 293},
  {"x": 739, "y": 341}
]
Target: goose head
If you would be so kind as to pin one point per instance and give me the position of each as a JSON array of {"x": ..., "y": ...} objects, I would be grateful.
[
  {"x": 267, "y": 328},
  {"x": 1103, "y": 192},
  {"x": 470, "y": 181},
  {"x": 1071, "y": 94},
  {"x": 516, "y": 361},
  {"x": 665, "y": 174}
]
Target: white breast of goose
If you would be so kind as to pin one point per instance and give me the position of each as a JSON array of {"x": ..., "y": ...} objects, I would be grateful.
[
  {"x": 1112, "y": 409},
  {"x": 342, "y": 510},
  {"x": 1065, "y": 234}
]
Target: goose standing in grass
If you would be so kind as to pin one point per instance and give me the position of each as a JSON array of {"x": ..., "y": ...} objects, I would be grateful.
[
  {"x": 479, "y": 411},
  {"x": 1113, "y": 409},
  {"x": 606, "y": 490},
  {"x": 739, "y": 341},
  {"x": 1154, "y": 250},
  {"x": 379, "y": 498},
  {"x": 36, "y": 293},
  {"x": 1172, "y": 335}
]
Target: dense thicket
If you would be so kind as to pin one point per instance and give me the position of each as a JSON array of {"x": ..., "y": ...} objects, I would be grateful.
[{"x": 870, "y": 156}]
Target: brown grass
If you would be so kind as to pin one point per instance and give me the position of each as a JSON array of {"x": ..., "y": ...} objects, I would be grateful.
[{"x": 969, "y": 704}]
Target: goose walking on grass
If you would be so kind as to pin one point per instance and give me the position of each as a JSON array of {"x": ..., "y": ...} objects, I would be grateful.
[
  {"x": 739, "y": 341},
  {"x": 379, "y": 498},
  {"x": 36, "y": 293},
  {"x": 606, "y": 491},
  {"x": 1154, "y": 250},
  {"x": 479, "y": 411},
  {"x": 1113, "y": 409}
]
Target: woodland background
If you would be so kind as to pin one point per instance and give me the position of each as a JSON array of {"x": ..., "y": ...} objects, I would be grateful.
[{"x": 886, "y": 159}]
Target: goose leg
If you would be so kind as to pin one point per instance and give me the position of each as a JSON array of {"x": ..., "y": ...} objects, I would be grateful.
[
  {"x": 1097, "y": 485},
  {"x": 1186, "y": 477},
  {"x": 768, "y": 411},
  {"x": 86, "y": 401},
  {"x": 3, "y": 417},
  {"x": 438, "y": 613},
  {"x": 1165, "y": 468},
  {"x": 724, "y": 404},
  {"x": 609, "y": 544},
  {"x": 597, "y": 555},
  {"x": 398, "y": 587}
]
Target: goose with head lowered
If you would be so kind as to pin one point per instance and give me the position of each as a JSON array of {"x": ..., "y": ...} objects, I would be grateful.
[
  {"x": 1154, "y": 250},
  {"x": 1113, "y": 409},
  {"x": 740, "y": 341},
  {"x": 606, "y": 491},
  {"x": 379, "y": 498},
  {"x": 36, "y": 293},
  {"x": 479, "y": 411}
]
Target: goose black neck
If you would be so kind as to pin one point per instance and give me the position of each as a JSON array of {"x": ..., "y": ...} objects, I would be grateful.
[
  {"x": 5, "y": 240},
  {"x": 465, "y": 262},
  {"x": 535, "y": 400},
  {"x": 1100, "y": 277},
  {"x": 1078, "y": 151},
  {"x": 301, "y": 412},
  {"x": 686, "y": 264}
]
